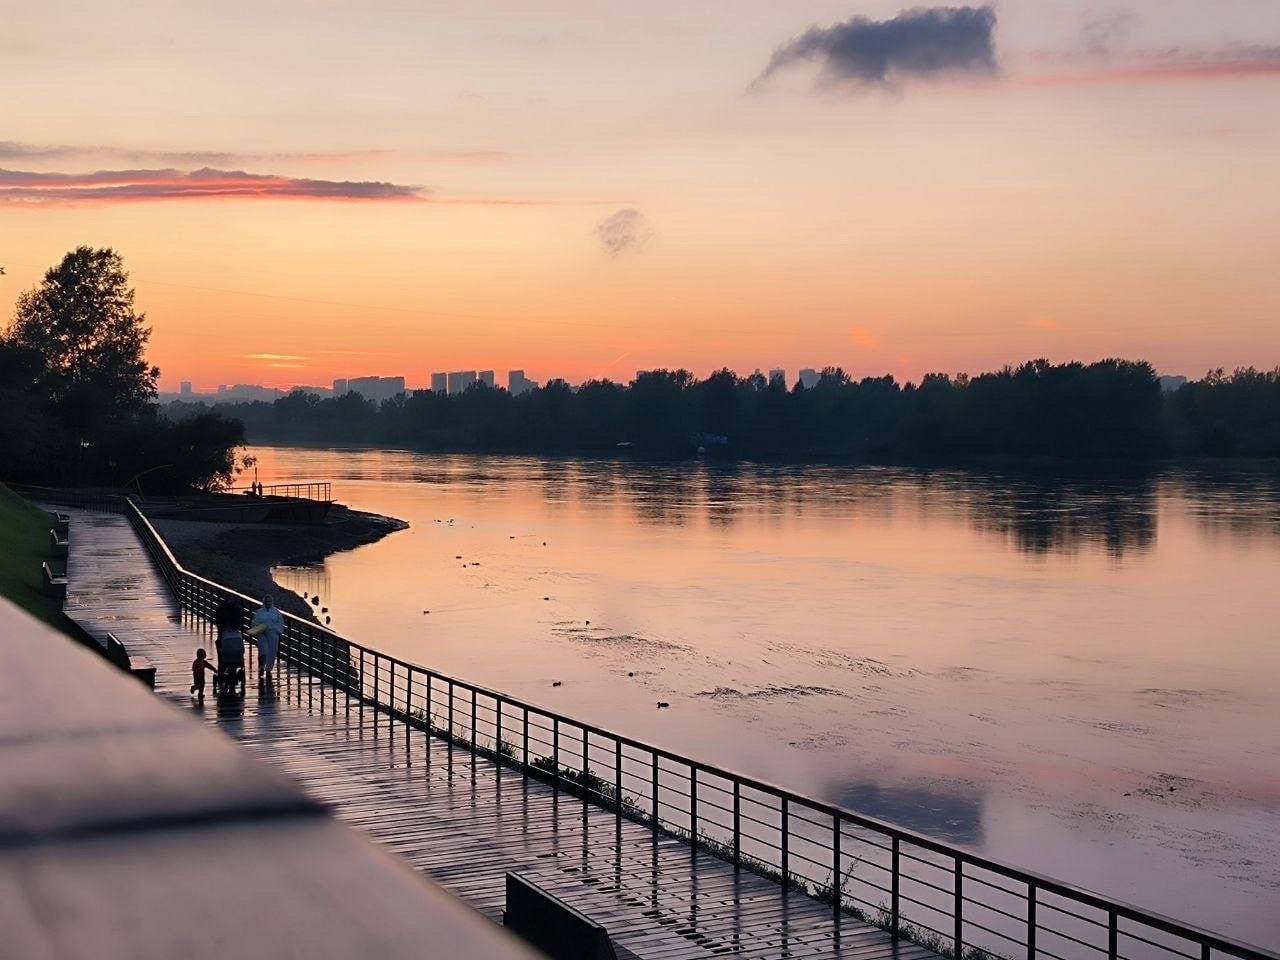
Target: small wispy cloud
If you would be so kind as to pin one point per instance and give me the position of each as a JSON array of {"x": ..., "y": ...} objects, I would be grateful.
[
  {"x": 864, "y": 337},
  {"x": 1238, "y": 61},
  {"x": 19, "y": 187},
  {"x": 626, "y": 231},
  {"x": 274, "y": 356},
  {"x": 922, "y": 43}
]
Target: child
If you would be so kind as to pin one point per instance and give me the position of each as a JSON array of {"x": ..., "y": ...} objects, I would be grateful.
[{"x": 198, "y": 668}]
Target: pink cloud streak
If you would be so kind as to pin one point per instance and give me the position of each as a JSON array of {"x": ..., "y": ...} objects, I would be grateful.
[{"x": 18, "y": 187}]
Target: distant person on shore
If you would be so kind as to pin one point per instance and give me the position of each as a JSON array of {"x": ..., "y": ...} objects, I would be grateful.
[{"x": 267, "y": 627}]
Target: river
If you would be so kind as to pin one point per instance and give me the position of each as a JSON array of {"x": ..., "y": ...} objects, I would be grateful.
[{"x": 1074, "y": 673}]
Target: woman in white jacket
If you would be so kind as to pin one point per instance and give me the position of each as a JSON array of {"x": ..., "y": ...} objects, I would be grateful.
[{"x": 267, "y": 617}]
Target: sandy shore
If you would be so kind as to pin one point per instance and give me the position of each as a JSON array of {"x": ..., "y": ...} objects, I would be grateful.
[{"x": 241, "y": 555}]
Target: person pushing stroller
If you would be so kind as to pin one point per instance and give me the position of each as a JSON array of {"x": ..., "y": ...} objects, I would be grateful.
[{"x": 229, "y": 620}]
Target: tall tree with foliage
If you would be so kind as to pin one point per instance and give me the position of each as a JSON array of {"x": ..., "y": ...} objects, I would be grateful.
[{"x": 86, "y": 342}]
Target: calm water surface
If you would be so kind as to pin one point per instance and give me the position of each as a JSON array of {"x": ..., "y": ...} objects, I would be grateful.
[{"x": 1076, "y": 674}]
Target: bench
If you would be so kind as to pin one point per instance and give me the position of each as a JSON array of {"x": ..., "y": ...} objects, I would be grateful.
[
  {"x": 59, "y": 544},
  {"x": 62, "y": 524},
  {"x": 118, "y": 655},
  {"x": 54, "y": 585},
  {"x": 551, "y": 925}
]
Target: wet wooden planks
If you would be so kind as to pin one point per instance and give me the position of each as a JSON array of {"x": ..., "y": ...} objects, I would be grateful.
[{"x": 462, "y": 820}]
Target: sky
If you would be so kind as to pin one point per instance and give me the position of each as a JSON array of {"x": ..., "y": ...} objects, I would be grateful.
[{"x": 311, "y": 189}]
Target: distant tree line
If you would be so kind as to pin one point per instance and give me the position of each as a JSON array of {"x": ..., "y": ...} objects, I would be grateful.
[
  {"x": 1108, "y": 409},
  {"x": 77, "y": 396}
]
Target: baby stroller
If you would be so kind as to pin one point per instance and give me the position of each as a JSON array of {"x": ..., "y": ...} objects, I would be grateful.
[{"x": 229, "y": 619}]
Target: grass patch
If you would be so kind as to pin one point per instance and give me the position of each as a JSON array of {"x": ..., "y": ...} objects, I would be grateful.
[{"x": 24, "y": 545}]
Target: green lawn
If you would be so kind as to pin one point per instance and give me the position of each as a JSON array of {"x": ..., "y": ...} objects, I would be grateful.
[{"x": 24, "y": 545}]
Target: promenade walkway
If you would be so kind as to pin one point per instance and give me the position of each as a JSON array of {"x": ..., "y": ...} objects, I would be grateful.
[{"x": 464, "y": 821}]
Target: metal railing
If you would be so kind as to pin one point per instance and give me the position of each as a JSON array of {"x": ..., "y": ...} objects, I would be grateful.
[
  {"x": 955, "y": 902},
  {"x": 319, "y": 490}
]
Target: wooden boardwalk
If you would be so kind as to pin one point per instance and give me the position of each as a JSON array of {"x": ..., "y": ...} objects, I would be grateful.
[{"x": 461, "y": 820}]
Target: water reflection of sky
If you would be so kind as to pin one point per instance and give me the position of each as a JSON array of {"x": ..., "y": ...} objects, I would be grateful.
[{"x": 954, "y": 817}]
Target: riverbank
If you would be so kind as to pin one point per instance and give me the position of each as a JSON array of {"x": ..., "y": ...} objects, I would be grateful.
[{"x": 241, "y": 555}]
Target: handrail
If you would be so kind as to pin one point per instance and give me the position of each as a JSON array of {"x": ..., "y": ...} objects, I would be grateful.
[
  {"x": 319, "y": 490},
  {"x": 303, "y": 642}
]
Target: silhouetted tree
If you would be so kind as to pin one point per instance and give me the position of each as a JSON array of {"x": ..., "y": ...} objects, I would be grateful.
[{"x": 86, "y": 341}]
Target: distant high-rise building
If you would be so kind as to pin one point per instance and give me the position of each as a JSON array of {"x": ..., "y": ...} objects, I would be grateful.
[
  {"x": 518, "y": 383},
  {"x": 185, "y": 388},
  {"x": 809, "y": 378},
  {"x": 778, "y": 376},
  {"x": 376, "y": 389},
  {"x": 222, "y": 388},
  {"x": 459, "y": 380},
  {"x": 486, "y": 377},
  {"x": 439, "y": 383},
  {"x": 339, "y": 387}
]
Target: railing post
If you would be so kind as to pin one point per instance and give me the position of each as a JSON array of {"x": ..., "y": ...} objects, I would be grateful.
[
  {"x": 450, "y": 712},
  {"x": 473, "y": 725},
  {"x": 894, "y": 910},
  {"x": 376, "y": 670},
  {"x": 786, "y": 846},
  {"x": 431, "y": 717},
  {"x": 1031, "y": 921},
  {"x": 958, "y": 911},
  {"x": 586, "y": 779},
  {"x": 525, "y": 746},
  {"x": 1113, "y": 934},
  {"x": 362, "y": 671},
  {"x": 737, "y": 825},
  {"x": 693, "y": 804},
  {"x": 655, "y": 796},
  {"x": 555, "y": 753},
  {"x": 835, "y": 864},
  {"x": 391, "y": 701},
  {"x": 497, "y": 736},
  {"x": 617, "y": 778}
]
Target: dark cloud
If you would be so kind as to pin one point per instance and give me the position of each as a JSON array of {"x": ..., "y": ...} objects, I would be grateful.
[
  {"x": 125, "y": 186},
  {"x": 919, "y": 43},
  {"x": 624, "y": 231}
]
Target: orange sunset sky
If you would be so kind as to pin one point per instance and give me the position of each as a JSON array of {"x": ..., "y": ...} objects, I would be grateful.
[{"x": 320, "y": 189}]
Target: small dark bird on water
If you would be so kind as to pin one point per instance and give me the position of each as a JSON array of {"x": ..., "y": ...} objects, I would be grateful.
[
  {"x": 324, "y": 609},
  {"x": 631, "y": 673},
  {"x": 555, "y": 683},
  {"x": 458, "y": 557},
  {"x": 315, "y": 601},
  {"x": 546, "y": 598},
  {"x": 425, "y": 612},
  {"x": 662, "y": 704},
  {"x": 326, "y": 620},
  {"x": 588, "y": 622}
]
